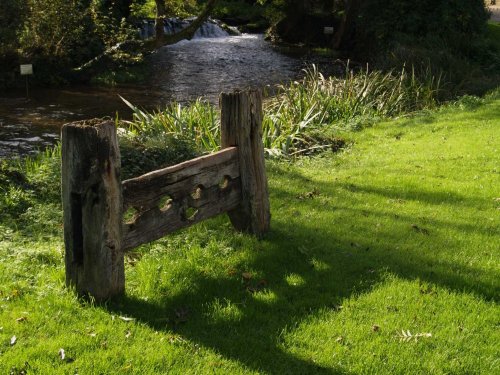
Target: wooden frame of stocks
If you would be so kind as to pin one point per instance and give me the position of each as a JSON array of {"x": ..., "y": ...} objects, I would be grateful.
[{"x": 232, "y": 180}]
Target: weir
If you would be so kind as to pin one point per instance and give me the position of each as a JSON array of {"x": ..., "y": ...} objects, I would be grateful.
[{"x": 209, "y": 29}]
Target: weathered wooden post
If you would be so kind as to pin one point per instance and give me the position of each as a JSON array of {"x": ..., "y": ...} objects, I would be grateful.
[
  {"x": 241, "y": 126},
  {"x": 92, "y": 204}
]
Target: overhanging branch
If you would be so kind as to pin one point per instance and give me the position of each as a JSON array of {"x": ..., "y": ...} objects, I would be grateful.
[{"x": 101, "y": 61}]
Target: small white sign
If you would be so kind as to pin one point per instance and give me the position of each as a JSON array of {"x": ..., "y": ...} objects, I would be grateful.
[
  {"x": 328, "y": 30},
  {"x": 26, "y": 69}
]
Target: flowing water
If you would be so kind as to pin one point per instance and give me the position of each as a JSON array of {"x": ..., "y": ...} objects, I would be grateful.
[{"x": 202, "y": 67}]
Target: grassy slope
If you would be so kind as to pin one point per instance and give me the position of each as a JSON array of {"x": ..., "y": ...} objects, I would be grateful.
[{"x": 400, "y": 232}]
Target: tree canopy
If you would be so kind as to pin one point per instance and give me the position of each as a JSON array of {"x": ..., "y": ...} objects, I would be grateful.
[{"x": 60, "y": 35}]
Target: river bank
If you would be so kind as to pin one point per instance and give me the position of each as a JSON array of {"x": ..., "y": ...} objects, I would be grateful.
[{"x": 202, "y": 67}]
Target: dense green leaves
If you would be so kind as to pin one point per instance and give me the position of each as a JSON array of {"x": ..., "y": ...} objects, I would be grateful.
[
  {"x": 12, "y": 13},
  {"x": 11, "y": 19},
  {"x": 59, "y": 35},
  {"x": 457, "y": 22},
  {"x": 56, "y": 34}
]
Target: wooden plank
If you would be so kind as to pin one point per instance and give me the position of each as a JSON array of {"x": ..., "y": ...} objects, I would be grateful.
[
  {"x": 155, "y": 223},
  {"x": 146, "y": 191},
  {"x": 241, "y": 126},
  {"x": 92, "y": 204}
]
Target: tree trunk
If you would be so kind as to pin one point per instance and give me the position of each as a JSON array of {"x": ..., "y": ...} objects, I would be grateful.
[
  {"x": 160, "y": 18},
  {"x": 344, "y": 32}
]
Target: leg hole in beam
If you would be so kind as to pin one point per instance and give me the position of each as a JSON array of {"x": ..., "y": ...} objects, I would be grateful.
[
  {"x": 130, "y": 215},
  {"x": 224, "y": 182},
  {"x": 197, "y": 192},
  {"x": 165, "y": 203},
  {"x": 190, "y": 213}
]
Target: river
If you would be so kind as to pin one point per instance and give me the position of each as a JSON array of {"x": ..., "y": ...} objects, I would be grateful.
[{"x": 201, "y": 67}]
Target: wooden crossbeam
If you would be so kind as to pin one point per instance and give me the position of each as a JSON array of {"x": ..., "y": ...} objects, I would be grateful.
[{"x": 209, "y": 185}]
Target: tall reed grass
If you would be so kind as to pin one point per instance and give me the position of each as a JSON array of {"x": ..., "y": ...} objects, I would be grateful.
[
  {"x": 298, "y": 117},
  {"x": 316, "y": 102}
]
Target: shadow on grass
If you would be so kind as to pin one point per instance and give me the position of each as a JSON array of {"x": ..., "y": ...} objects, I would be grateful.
[
  {"x": 253, "y": 339},
  {"x": 331, "y": 265}
]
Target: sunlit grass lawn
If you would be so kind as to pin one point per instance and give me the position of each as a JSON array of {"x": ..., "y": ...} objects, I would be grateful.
[{"x": 384, "y": 258}]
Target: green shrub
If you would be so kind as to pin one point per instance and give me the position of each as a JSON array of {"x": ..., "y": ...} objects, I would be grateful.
[
  {"x": 449, "y": 37},
  {"x": 141, "y": 154},
  {"x": 12, "y": 13},
  {"x": 454, "y": 23}
]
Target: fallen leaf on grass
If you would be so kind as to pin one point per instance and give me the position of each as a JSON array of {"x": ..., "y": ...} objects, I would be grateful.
[
  {"x": 176, "y": 339},
  {"x": 254, "y": 288},
  {"x": 13, "y": 340},
  {"x": 418, "y": 229},
  {"x": 310, "y": 194},
  {"x": 126, "y": 319},
  {"x": 64, "y": 358},
  {"x": 262, "y": 283},
  {"x": 127, "y": 367},
  {"x": 406, "y": 336}
]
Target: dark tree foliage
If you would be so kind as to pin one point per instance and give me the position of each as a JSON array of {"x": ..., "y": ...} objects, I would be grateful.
[
  {"x": 57, "y": 33},
  {"x": 456, "y": 23},
  {"x": 11, "y": 21},
  {"x": 373, "y": 25},
  {"x": 61, "y": 36},
  {"x": 118, "y": 9}
]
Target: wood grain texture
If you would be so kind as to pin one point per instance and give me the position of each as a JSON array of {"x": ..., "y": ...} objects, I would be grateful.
[
  {"x": 156, "y": 222},
  {"x": 92, "y": 204},
  {"x": 241, "y": 126},
  {"x": 147, "y": 190}
]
